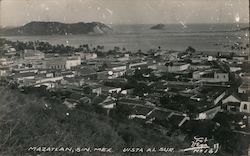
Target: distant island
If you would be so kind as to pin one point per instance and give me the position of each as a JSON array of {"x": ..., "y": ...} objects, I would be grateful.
[
  {"x": 57, "y": 28},
  {"x": 246, "y": 28},
  {"x": 159, "y": 27}
]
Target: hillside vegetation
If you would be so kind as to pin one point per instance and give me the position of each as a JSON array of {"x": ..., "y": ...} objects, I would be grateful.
[{"x": 32, "y": 120}]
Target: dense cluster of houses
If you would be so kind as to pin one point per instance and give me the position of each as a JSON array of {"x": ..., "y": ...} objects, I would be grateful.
[{"x": 205, "y": 80}]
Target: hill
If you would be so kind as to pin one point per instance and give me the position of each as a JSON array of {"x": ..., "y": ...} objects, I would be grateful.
[
  {"x": 159, "y": 27},
  {"x": 246, "y": 28},
  {"x": 57, "y": 28},
  {"x": 35, "y": 119}
]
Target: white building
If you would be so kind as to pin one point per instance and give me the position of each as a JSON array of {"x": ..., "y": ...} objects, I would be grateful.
[
  {"x": 177, "y": 66},
  {"x": 50, "y": 82},
  {"x": 245, "y": 107},
  {"x": 55, "y": 63},
  {"x": 33, "y": 55},
  {"x": 231, "y": 98},
  {"x": 242, "y": 102},
  {"x": 124, "y": 58},
  {"x": 72, "y": 62},
  {"x": 108, "y": 89},
  {"x": 5, "y": 61},
  {"x": 211, "y": 76},
  {"x": 86, "y": 56},
  {"x": 3, "y": 72},
  {"x": 62, "y": 62},
  {"x": 244, "y": 88},
  {"x": 136, "y": 65},
  {"x": 209, "y": 113}
]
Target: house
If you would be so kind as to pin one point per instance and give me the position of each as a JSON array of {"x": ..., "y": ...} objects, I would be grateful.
[
  {"x": 10, "y": 49},
  {"x": 62, "y": 63},
  {"x": 209, "y": 113},
  {"x": 152, "y": 66},
  {"x": 201, "y": 66},
  {"x": 4, "y": 71},
  {"x": 239, "y": 58},
  {"x": 96, "y": 89},
  {"x": 231, "y": 98},
  {"x": 6, "y": 62},
  {"x": 138, "y": 65},
  {"x": 172, "y": 56},
  {"x": 70, "y": 103},
  {"x": 237, "y": 103},
  {"x": 137, "y": 116},
  {"x": 197, "y": 59},
  {"x": 72, "y": 61},
  {"x": 218, "y": 96},
  {"x": 245, "y": 77},
  {"x": 115, "y": 74},
  {"x": 20, "y": 77},
  {"x": 116, "y": 70},
  {"x": 235, "y": 69},
  {"x": 102, "y": 75},
  {"x": 68, "y": 74},
  {"x": 211, "y": 76},
  {"x": 86, "y": 55},
  {"x": 108, "y": 104},
  {"x": 50, "y": 82},
  {"x": 157, "y": 115},
  {"x": 177, "y": 66},
  {"x": 33, "y": 55},
  {"x": 24, "y": 70},
  {"x": 245, "y": 107},
  {"x": 244, "y": 88},
  {"x": 177, "y": 120},
  {"x": 140, "y": 112},
  {"x": 117, "y": 67},
  {"x": 117, "y": 80},
  {"x": 87, "y": 73},
  {"x": 85, "y": 100},
  {"x": 208, "y": 96},
  {"x": 127, "y": 91},
  {"x": 123, "y": 58},
  {"x": 109, "y": 90},
  {"x": 131, "y": 101},
  {"x": 71, "y": 81},
  {"x": 55, "y": 63},
  {"x": 48, "y": 79},
  {"x": 231, "y": 107}
]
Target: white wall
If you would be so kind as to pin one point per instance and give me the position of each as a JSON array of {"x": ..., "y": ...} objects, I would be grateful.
[
  {"x": 230, "y": 99},
  {"x": 176, "y": 68},
  {"x": 247, "y": 104},
  {"x": 73, "y": 62}
]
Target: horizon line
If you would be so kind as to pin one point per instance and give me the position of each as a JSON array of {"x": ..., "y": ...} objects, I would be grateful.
[{"x": 125, "y": 23}]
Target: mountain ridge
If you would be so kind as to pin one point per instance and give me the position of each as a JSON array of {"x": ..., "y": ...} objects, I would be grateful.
[{"x": 57, "y": 28}]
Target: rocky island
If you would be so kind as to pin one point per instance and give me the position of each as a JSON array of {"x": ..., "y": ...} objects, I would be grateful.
[
  {"x": 57, "y": 28},
  {"x": 158, "y": 27},
  {"x": 246, "y": 28}
]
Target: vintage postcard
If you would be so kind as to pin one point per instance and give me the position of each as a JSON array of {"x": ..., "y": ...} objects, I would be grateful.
[{"x": 124, "y": 77}]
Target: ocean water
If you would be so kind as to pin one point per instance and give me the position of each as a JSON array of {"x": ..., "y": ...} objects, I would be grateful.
[{"x": 202, "y": 37}]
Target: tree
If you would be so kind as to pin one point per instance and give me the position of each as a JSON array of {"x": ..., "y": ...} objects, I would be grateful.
[{"x": 190, "y": 49}]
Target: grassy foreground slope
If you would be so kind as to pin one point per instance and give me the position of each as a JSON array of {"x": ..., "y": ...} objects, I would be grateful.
[{"x": 30, "y": 120}]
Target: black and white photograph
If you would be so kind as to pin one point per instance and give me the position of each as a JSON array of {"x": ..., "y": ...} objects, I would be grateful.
[{"x": 124, "y": 78}]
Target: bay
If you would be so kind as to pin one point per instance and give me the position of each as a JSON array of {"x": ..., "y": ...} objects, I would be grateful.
[{"x": 203, "y": 37}]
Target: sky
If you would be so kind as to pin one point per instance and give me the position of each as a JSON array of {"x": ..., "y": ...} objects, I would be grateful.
[{"x": 20, "y": 12}]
